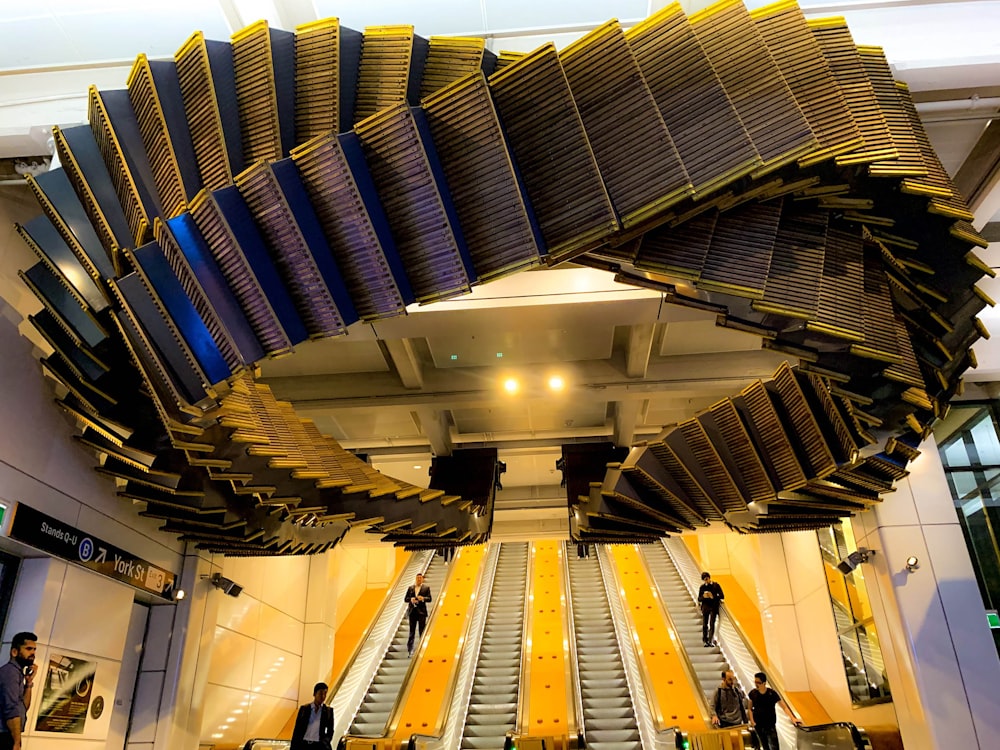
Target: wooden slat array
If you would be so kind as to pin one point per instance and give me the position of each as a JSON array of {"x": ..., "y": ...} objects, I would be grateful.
[
  {"x": 301, "y": 265},
  {"x": 154, "y": 91},
  {"x": 241, "y": 275},
  {"x": 82, "y": 162},
  {"x": 549, "y": 144},
  {"x": 693, "y": 103},
  {"x": 421, "y": 225},
  {"x": 356, "y": 231},
  {"x": 261, "y": 56},
  {"x": 495, "y": 219},
  {"x": 392, "y": 60},
  {"x": 205, "y": 74},
  {"x": 317, "y": 79},
  {"x": 755, "y": 165},
  {"x": 452, "y": 58},
  {"x": 119, "y": 138},
  {"x": 635, "y": 154},
  {"x": 777, "y": 127},
  {"x": 784, "y": 29}
]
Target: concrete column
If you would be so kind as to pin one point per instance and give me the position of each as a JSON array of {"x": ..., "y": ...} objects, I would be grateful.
[
  {"x": 777, "y": 612},
  {"x": 181, "y": 707},
  {"x": 940, "y": 657}
]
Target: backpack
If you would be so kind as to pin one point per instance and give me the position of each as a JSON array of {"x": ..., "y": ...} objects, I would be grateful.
[{"x": 717, "y": 702}]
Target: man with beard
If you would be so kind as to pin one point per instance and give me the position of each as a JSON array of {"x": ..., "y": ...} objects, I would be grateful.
[{"x": 16, "y": 679}]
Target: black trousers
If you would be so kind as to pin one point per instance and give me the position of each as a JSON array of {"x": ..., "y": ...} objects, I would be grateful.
[
  {"x": 418, "y": 620},
  {"x": 708, "y": 618},
  {"x": 6, "y": 741},
  {"x": 767, "y": 737}
]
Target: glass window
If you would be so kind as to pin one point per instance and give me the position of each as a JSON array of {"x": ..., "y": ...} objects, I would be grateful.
[{"x": 859, "y": 644}]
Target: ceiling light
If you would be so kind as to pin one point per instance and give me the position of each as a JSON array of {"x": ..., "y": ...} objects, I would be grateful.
[
  {"x": 417, "y": 466},
  {"x": 511, "y": 385},
  {"x": 556, "y": 383}
]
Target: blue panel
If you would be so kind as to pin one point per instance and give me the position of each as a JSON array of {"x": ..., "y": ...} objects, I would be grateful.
[
  {"x": 65, "y": 305},
  {"x": 418, "y": 60},
  {"x": 80, "y": 140},
  {"x": 350, "y": 61},
  {"x": 48, "y": 240},
  {"x": 442, "y": 185},
  {"x": 154, "y": 264},
  {"x": 241, "y": 224},
  {"x": 305, "y": 217},
  {"x": 57, "y": 188},
  {"x": 186, "y": 380},
  {"x": 351, "y": 145},
  {"x": 220, "y": 61},
  {"x": 283, "y": 60},
  {"x": 122, "y": 118},
  {"x": 213, "y": 283},
  {"x": 89, "y": 368}
]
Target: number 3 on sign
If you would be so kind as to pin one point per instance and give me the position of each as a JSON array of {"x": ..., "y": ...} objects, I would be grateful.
[{"x": 155, "y": 579}]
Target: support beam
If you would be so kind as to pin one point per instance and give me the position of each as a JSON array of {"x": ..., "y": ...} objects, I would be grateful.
[
  {"x": 435, "y": 424},
  {"x": 640, "y": 342},
  {"x": 400, "y": 355},
  {"x": 979, "y": 177},
  {"x": 627, "y": 414}
]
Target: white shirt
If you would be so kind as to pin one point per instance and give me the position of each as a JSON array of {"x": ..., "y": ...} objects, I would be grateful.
[{"x": 312, "y": 731}]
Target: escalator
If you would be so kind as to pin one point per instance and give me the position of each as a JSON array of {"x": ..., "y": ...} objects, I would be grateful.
[
  {"x": 493, "y": 703},
  {"x": 377, "y": 705},
  {"x": 708, "y": 663},
  {"x": 608, "y": 715}
]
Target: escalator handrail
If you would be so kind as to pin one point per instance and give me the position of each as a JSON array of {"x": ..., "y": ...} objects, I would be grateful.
[
  {"x": 251, "y": 744},
  {"x": 394, "y": 598},
  {"x": 523, "y": 668},
  {"x": 689, "y": 671},
  {"x": 858, "y": 735},
  {"x": 471, "y": 650},
  {"x": 581, "y": 729},
  {"x": 577, "y": 727},
  {"x": 773, "y": 678}
]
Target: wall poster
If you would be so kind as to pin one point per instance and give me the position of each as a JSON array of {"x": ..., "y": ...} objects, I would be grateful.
[{"x": 66, "y": 693}]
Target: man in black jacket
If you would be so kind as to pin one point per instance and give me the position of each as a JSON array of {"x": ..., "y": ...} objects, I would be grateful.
[
  {"x": 417, "y": 597},
  {"x": 710, "y": 596},
  {"x": 314, "y": 724}
]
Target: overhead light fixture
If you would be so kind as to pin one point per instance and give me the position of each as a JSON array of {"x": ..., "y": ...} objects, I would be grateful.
[
  {"x": 556, "y": 383},
  {"x": 511, "y": 385},
  {"x": 912, "y": 563},
  {"x": 853, "y": 560}
]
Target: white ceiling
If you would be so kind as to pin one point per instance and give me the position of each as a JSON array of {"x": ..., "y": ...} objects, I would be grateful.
[{"x": 434, "y": 377}]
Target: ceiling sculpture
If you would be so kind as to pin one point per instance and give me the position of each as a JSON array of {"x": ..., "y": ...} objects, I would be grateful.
[{"x": 248, "y": 196}]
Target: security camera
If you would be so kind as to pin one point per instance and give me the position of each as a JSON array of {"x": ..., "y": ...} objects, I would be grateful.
[
  {"x": 853, "y": 560},
  {"x": 227, "y": 585}
]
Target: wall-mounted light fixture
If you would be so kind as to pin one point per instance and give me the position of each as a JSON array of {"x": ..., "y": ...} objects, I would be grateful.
[
  {"x": 912, "y": 563},
  {"x": 853, "y": 560}
]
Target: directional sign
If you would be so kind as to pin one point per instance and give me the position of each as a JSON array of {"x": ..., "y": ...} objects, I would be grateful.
[{"x": 62, "y": 540}]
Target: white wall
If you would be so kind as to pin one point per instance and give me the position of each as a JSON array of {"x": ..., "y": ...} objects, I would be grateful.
[{"x": 78, "y": 614}]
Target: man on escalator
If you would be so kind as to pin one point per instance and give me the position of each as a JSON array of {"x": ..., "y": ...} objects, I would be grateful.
[
  {"x": 729, "y": 704},
  {"x": 417, "y": 597},
  {"x": 763, "y": 717},
  {"x": 710, "y": 596}
]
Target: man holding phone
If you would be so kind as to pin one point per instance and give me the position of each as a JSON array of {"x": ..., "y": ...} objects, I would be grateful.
[{"x": 16, "y": 680}]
